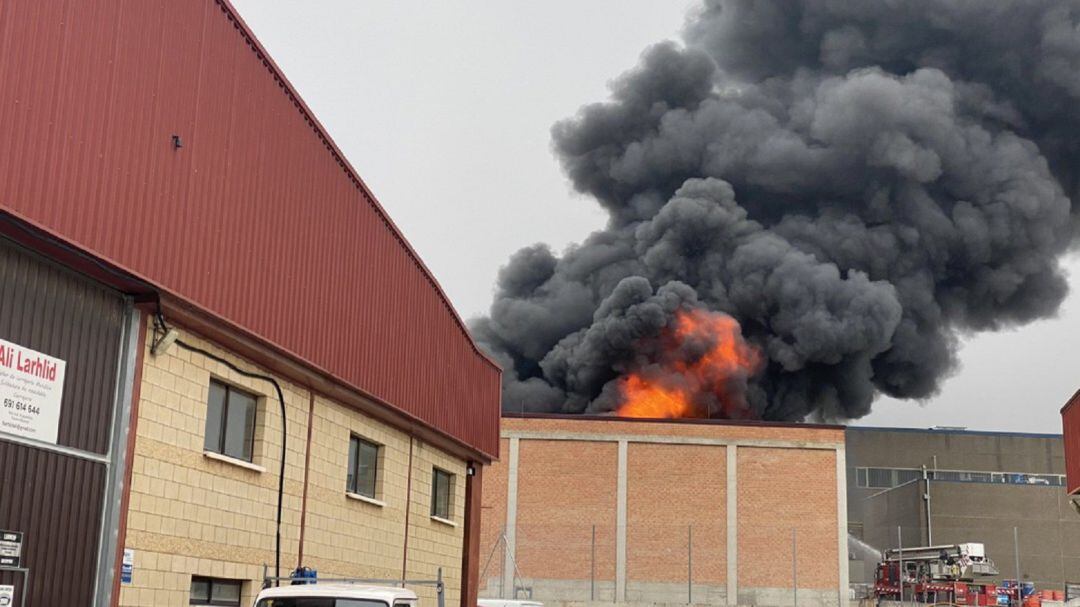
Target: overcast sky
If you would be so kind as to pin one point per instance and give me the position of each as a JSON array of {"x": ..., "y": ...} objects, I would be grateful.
[{"x": 445, "y": 109}]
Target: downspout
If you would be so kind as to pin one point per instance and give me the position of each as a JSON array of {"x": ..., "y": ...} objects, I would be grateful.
[
  {"x": 408, "y": 508},
  {"x": 307, "y": 474}
]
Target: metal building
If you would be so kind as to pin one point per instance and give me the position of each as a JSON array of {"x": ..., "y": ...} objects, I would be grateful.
[
  {"x": 156, "y": 163},
  {"x": 921, "y": 487}
]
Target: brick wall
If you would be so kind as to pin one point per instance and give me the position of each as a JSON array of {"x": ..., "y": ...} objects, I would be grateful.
[
  {"x": 670, "y": 489},
  {"x": 676, "y": 478},
  {"x": 564, "y": 489},
  {"x": 781, "y": 490},
  {"x": 493, "y": 518},
  {"x": 191, "y": 514}
]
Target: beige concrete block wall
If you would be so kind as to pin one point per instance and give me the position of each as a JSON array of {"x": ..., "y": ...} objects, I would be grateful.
[
  {"x": 432, "y": 543},
  {"x": 192, "y": 515},
  {"x": 348, "y": 537}
]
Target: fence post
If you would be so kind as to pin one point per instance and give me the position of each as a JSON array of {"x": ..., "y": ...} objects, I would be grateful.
[
  {"x": 502, "y": 578},
  {"x": 441, "y": 594},
  {"x": 1016, "y": 556},
  {"x": 795, "y": 566},
  {"x": 900, "y": 564},
  {"x": 690, "y": 564},
  {"x": 592, "y": 567}
]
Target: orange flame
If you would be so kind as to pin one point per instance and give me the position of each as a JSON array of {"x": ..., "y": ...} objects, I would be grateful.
[{"x": 678, "y": 388}]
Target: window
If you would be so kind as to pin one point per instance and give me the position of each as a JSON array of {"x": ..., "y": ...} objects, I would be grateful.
[
  {"x": 885, "y": 478},
  {"x": 363, "y": 467},
  {"x": 210, "y": 591},
  {"x": 442, "y": 485},
  {"x": 230, "y": 421},
  {"x": 860, "y": 477}
]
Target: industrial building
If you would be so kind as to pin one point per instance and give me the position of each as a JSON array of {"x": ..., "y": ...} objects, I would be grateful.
[
  {"x": 584, "y": 508},
  {"x": 919, "y": 487},
  {"x": 217, "y": 352},
  {"x": 1070, "y": 421}
]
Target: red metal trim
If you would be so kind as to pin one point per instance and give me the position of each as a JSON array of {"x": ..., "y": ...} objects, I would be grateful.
[
  {"x": 1070, "y": 425},
  {"x": 244, "y": 342},
  {"x": 129, "y": 461},
  {"x": 352, "y": 173},
  {"x": 243, "y": 199},
  {"x": 470, "y": 557},
  {"x": 408, "y": 509},
  {"x": 307, "y": 468}
]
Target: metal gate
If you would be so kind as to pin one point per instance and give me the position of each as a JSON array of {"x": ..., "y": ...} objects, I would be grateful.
[{"x": 63, "y": 496}]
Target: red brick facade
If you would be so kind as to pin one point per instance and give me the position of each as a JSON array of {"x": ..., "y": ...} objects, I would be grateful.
[{"x": 675, "y": 519}]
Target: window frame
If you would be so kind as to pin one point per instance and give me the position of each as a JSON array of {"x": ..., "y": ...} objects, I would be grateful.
[
  {"x": 219, "y": 448},
  {"x": 354, "y": 488},
  {"x": 436, "y": 472},
  {"x": 211, "y": 582}
]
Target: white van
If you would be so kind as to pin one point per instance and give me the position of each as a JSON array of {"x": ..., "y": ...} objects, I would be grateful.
[{"x": 335, "y": 595}]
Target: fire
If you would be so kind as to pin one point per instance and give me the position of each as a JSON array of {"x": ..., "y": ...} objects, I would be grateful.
[
  {"x": 702, "y": 372},
  {"x": 642, "y": 398}
]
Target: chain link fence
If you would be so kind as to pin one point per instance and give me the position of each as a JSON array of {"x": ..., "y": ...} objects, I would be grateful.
[{"x": 664, "y": 564}]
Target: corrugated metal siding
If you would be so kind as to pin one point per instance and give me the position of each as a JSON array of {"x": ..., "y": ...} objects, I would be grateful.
[
  {"x": 55, "y": 500},
  {"x": 256, "y": 219},
  {"x": 1070, "y": 420},
  {"x": 51, "y": 311}
]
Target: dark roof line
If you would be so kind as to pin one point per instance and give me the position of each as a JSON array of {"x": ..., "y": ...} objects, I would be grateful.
[
  {"x": 689, "y": 421},
  {"x": 952, "y": 431}
]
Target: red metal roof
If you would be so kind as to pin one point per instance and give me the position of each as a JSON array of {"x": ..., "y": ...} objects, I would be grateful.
[
  {"x": 1070, "y": 421},
  {"x": 258, "y": 218}
]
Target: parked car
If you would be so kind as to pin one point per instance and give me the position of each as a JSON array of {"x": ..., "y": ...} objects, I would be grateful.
[{"x": 335, "y": 595}]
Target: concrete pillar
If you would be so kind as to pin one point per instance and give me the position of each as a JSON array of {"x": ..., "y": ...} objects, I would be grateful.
[
  {"x": 620, "y": 526},
  {"x": 732, "y": 525},
  {"x": 841, "y": 522},
  {"x": 510, "y": 552}
]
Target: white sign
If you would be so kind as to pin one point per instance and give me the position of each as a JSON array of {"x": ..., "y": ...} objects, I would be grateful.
[
  {"x": 7, "y": 596},
  {"x": 10, "y": 548},
  {"x": 31, "y": 387},
  {"x": 127, "y": 567}
]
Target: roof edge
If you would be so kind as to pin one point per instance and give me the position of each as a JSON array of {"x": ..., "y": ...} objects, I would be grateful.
[
  {"x": 955, "y": 431},
  {"x": 350, "y": 171},
  {"x": 683, "y": 420},
  {"x": 41, "y": 240},
  {"x": 1072, "y": 401}
]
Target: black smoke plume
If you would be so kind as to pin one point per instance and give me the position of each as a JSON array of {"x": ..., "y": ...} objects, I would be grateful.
[{"x": 856, "y": 182}]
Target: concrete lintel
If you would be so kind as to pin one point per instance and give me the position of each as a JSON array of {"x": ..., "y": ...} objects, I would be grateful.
[
  {"x": 732, "y": 525},
  {"x": 620, "y": 525},
  {"x": 670, "y": 440},
  {"x": 510, "y": 530}
]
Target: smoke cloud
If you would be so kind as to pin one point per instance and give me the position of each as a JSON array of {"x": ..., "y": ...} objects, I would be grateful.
[{"x": 856, "y": 183}]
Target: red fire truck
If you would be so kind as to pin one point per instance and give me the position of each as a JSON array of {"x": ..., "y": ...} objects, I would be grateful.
[{"x": 937, "y": 574}]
